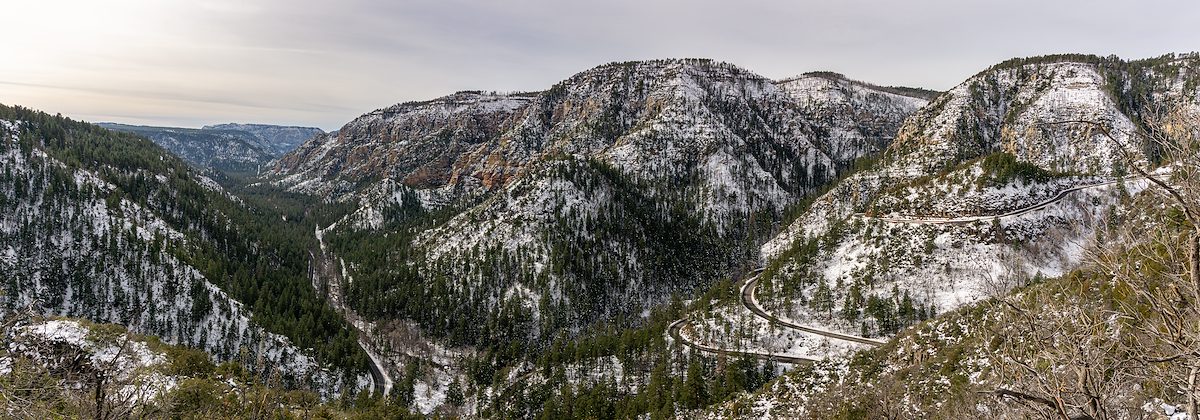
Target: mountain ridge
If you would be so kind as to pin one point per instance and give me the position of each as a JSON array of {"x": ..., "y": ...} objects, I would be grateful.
[{"x": 233, "y": 149}]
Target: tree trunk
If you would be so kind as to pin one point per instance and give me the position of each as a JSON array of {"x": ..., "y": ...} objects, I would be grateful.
[
  {"x": 1194, "y": 260},
  {"x": 99, "y": 396},
  {"x": 1192, "y": 391}
]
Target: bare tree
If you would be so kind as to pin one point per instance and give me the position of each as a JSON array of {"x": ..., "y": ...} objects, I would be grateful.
[
  {"x": 49, "y": 377},
  {"x": 1070, "y": 355},
  {"x": 1173, "y": 290},
  {"x": 26, "y": 389},
  {"x": 1060, "y": 357}
]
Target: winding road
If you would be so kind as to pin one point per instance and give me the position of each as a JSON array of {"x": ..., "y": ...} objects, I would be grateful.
[
  {"x": 750, "y": 301},
  {"x": 323, "y": 271},
  {"x": 926, "y": 220},
  {"x": 750, "y": 285},
  {"x": 674, "y": 330}
]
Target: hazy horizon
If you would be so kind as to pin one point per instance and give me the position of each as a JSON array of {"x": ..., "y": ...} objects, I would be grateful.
[{"x": 312, "y": 63}]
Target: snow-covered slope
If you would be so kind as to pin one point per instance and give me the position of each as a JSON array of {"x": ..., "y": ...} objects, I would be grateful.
[
  {"x": 75, "y": 243},
  {"x": 1008, "y": 138},
  {"x": 1018, "y": 110}
]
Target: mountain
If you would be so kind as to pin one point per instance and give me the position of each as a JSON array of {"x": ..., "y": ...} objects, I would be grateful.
[
  {"x": 277, "y": 139},
  {"x": 106, "y": 226},
  {"x": 1008, "y": 138},
  {"x": 228, "y": 148},
  {"x": 1006, "y": 182},
  {"x": 501, "y": 221},
  {"x": 599, "y": 147}
]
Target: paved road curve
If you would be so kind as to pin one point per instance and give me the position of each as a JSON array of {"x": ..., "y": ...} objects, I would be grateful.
[
  {"x": 674, "y": 331},
  {"x": 750, "y": 301},
  {"x": 927, "y": 220}
]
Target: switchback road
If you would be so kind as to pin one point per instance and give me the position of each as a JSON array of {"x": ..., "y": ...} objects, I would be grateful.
[
  {"x": 674, "y": 330},
  {"x": 750, "y": 301}
]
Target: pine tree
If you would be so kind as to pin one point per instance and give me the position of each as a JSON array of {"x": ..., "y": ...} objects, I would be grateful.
[
  {"x": 822, "y": 300},
  {"x": 695, "y": 389},
  {"x": 850, "y": 308}
]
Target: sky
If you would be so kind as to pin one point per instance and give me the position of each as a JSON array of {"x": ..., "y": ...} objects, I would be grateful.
[{"x": 322, "y": 63}]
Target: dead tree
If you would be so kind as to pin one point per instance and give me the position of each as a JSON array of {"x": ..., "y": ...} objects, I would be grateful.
[{"x": 1159, "y": 259}]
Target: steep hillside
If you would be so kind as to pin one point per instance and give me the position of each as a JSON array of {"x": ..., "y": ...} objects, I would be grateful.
[
  {"x": 1002, "y": 179},
  {"x": 108, "y": 227},
  {"x": 1099, "y": 342}
]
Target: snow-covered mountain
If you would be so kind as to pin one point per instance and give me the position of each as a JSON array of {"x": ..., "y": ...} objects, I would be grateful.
[
  {"x": 1002, "y": 179},
  {"x": 593, "y": 200},
  {"x": 681, "y": 148}
]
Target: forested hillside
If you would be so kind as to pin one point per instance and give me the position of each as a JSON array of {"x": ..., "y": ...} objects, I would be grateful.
[{"x": 109, "y": 227}]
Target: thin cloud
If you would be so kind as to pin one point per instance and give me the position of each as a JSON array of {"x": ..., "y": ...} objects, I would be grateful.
[
  {"x": 323, "y": 63},
  {"x": 187, "y": 98}
]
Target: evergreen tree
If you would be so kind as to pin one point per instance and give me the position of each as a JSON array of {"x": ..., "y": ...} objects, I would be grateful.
[
  {"x": 695, "y": 388},
  {"x": 822, "y": 300}
]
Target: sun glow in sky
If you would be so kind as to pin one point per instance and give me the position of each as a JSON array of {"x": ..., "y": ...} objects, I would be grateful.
[{"x": 321, "y": 63}]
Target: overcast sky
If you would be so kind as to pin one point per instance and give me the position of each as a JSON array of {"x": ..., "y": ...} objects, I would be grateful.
[{"x": 322, "y": 63}]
